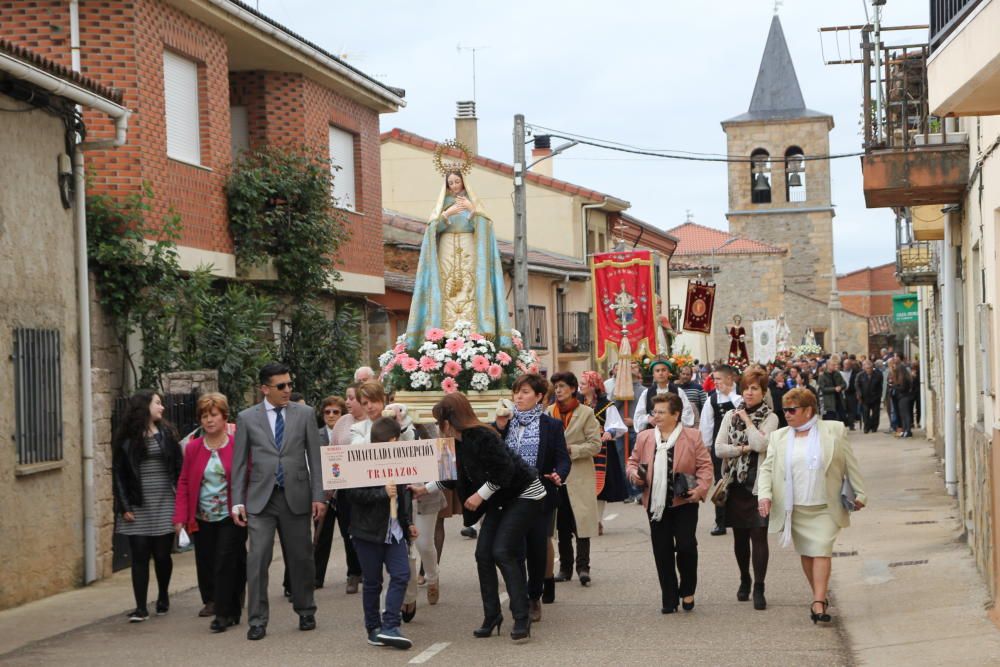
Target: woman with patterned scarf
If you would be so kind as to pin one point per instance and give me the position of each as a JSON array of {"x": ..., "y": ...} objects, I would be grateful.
[
  {"x": 538, "y": 439},
  {"x": 742, "y": 446},
  {"x": 577, "y": 513},
  {"x": 609, "y": 478}
]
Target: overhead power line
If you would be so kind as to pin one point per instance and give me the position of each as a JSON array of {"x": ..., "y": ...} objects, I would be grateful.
[{"x": 673, "y": 154}]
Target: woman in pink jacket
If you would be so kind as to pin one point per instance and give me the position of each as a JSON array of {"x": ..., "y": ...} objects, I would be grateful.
[
  {"x": 203, "y": 508},
  {"x": 674, "y": 470}
]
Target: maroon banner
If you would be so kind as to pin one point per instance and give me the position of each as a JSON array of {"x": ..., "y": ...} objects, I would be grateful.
[
  {"x": 624, "y": 301},
  {"x": 699, "y": 306}
]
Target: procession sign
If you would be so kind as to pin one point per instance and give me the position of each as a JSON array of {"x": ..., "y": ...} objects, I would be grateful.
[
  {"x": 377, "y": 464},
  {"x": 625, "y": 300},
  {"x": 699, "y": 306},
  {"x": 765, "y": 341}
]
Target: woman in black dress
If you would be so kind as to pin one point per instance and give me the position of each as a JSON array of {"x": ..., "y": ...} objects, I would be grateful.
[
  {"x": 608, "y": 475},
  {"x": 742, "y": 444}
]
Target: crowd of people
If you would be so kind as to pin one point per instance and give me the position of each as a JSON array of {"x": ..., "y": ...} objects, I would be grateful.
[{"x": 767, "y": 446}]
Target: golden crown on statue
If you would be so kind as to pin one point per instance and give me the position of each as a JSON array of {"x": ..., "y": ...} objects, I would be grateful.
[{"x": 445, "y": 166}]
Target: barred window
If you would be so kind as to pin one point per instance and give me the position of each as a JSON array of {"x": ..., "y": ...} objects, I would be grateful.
[
  {"x": 37, "y": 396},
  {"x": 537, "y": 336}
]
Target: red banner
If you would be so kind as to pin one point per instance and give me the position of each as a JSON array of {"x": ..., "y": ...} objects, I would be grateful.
[
  {"x": 699, "y": 306},
  {"x": 624, "y": 301}
]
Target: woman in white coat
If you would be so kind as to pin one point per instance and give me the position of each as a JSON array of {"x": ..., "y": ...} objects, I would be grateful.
[{"x": 809, "y": 463}]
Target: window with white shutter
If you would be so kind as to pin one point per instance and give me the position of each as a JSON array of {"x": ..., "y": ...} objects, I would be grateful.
[
  {"x": 180, "y": 92},
  {"x": 342, "y": 163}
]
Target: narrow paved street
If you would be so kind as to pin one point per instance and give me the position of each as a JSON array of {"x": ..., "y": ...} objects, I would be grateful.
[{"x": 614, "y": 621}]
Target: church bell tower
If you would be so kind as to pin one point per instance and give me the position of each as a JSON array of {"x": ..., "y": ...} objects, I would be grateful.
[{"x": 780, "y": 194}]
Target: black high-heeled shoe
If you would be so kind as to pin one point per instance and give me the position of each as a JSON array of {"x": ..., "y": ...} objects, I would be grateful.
[
  {"x": 822, "y": 616},
  {"x": 521, "y": 631},
  {"x": 488, "y": 626},
  {"x": 687, "y": 606}
]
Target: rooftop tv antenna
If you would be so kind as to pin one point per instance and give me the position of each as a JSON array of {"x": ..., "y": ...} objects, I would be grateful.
[{"x": 473, "y": 49}]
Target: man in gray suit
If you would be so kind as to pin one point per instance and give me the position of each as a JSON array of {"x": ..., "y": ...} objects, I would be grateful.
[{"x": 277, "y": 485}]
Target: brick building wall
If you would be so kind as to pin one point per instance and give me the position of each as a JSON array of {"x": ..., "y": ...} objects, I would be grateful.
[
  {"x": 877, "y": 285},
  {"x": 122, "y": 45}
]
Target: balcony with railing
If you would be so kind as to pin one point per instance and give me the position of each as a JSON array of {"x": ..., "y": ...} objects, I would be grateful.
[
  {"x": 574, "y": 333},
  {"x": 946, "y": 15},
  {"x": 911, "y": 158},
  {"x": 916, "y": 261},
  {"x": 964, "y": 68}
]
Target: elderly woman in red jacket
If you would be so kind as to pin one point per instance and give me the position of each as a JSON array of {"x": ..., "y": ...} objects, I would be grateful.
[
  {"x": 203, "y": 508},
  {"x": 672, "y": 467}
]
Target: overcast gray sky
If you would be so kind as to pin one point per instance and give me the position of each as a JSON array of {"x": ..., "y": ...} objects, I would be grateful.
[{"x": 653, "y": 74}]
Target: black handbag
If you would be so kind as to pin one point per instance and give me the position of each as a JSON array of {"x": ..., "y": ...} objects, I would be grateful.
[{"x": 683, "y": 484}]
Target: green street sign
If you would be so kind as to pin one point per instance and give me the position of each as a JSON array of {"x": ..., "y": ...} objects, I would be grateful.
[{"x": 904, "y": 307}]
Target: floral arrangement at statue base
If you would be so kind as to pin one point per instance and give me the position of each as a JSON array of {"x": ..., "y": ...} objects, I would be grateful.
[
  {"x": 459, "y": 360},
  {"x": 804, "y": 350},
  {"x": 739, "y": 363}
]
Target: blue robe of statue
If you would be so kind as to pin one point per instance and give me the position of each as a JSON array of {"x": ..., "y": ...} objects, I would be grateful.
[{"x": 459, "y": 277}]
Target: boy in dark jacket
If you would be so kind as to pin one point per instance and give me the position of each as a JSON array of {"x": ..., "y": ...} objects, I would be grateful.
[{"x": 381, "y": 540}]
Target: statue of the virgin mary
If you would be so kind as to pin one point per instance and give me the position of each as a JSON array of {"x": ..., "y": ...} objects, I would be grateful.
[{"x": 459, "y": 275}]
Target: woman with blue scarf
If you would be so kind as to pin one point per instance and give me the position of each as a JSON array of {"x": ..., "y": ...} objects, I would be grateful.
[{"x": 538, "y": 439}]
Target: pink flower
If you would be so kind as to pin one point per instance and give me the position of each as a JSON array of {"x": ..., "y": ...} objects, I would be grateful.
[
  {"x": 521, "y": 367},
  {"x": 454, "y": 345},
  {"x": 518, "y": 343},
  {"x": 533, "y": 368},
  {"x": 494, "y": 371},
  {"x": 410, "y": 364},
  {"x": 449, "y": 386},
  {"x": 400, "y": 348},
  {"x": 434, "y": 334},
  {"x": 503, "y": 358},
  {"x": 480, "y": 363},
  {"x": 476, "y": 337},
  {"x": 452, "y": 368},
  {"x": 428, "y": 364}
]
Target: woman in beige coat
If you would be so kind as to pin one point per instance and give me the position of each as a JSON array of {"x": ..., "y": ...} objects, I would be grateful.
[
  {"x": 577, "y": 513},
  {"x": 802, "y": 478}
]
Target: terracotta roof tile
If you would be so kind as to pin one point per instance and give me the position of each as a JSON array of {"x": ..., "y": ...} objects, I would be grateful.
[
  {"x": 401, "y": 282},
  {"x": 60, "y": 71},
  {"x": 501, "y": 167},
  {"x": 695, "y": 239}
]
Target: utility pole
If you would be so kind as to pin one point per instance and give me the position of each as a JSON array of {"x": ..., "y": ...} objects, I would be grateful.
[{"x": 520, "y": 233}]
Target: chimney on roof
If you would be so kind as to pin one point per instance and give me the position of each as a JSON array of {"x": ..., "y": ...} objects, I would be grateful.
[
  {"x": 542, "y": 149},
  {"x": 465, "y": 126}
]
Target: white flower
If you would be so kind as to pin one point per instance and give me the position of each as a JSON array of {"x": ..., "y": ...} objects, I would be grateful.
[
  {"x": 466, "y": 353},
  {"x": 385, "y": 357},
  {"x": 427, "y": 347},
  {"x": 480, "y": 381},
  {"x": 468, "y": 365},
  {"x": 420, "y": 379},
  {"x": 439, "y": 355}
]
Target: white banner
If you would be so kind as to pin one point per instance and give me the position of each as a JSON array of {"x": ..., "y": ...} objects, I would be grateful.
[
  {"x": 765, "y": 344},
  {"x": 402, "y": 462}
]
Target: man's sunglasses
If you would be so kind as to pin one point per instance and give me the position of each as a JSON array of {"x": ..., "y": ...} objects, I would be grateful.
[
  {"x": 791, "y": 409},
  {"x": 281, "y": 386},
  {"x": 331, "y": 411}
]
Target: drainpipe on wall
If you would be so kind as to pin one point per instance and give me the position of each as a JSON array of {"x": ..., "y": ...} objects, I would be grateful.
[
  {"x": 120, "y": 116},
  {"x": 950, "y": 346}
]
